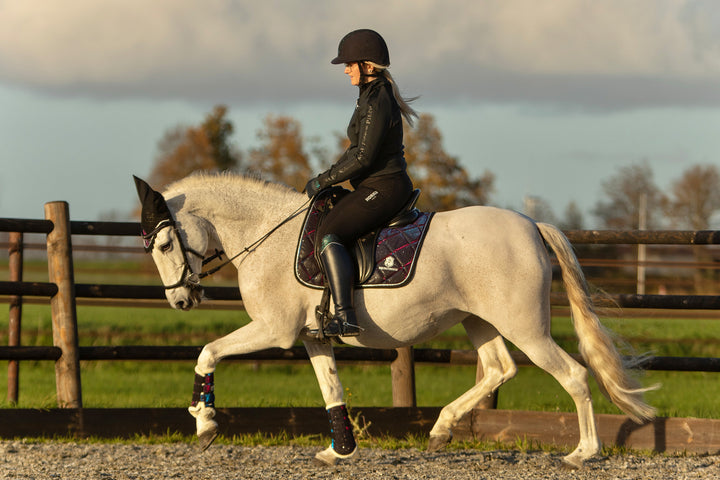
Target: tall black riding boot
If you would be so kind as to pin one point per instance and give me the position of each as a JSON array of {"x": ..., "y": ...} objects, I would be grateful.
[{"x": 340, "y": 274}]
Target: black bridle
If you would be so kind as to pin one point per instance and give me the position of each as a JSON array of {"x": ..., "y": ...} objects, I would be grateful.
[{"x": 187, "y": 273}]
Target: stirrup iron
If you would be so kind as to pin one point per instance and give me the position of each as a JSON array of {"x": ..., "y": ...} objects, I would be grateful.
[{"x": 342, "y": 328}]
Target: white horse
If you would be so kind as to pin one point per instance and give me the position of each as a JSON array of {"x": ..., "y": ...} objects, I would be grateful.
[{"x": 484, "y": 267}]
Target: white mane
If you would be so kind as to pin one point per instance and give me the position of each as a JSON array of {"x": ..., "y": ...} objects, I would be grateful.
[
  {"x": 227, "y": 179},
  {"x": 235, "y": 190}
]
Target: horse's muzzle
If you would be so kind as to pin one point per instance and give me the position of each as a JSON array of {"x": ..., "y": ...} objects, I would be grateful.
[{"x": 193, "y": 299}]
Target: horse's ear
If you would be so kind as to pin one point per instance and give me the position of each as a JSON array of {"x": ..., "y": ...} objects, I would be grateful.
[{"x": 154, "y": 207}]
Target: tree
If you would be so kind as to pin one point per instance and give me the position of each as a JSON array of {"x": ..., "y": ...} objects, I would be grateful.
[
  {"x": 183, "y": 150},
  {"x": 624, "y": 191},
  {"x": 444, "y": 181},
  {"x": 696, "y": 196},
  {"x": 538, "y": 209},
  {"x": 281, "y": 156},
  {"x": 573, "y": 218}
]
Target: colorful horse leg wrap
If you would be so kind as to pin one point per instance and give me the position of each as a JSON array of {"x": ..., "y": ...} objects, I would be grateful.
[
  {"x": 203, "y": 390},
  {"x": 343, "y": 441}
]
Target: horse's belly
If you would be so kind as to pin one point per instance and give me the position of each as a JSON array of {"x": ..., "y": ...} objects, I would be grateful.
[{"x": 392, "y": 330}]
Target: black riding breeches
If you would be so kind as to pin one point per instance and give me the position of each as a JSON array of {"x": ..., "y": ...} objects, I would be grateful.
[{"x": 372, "y": 204}]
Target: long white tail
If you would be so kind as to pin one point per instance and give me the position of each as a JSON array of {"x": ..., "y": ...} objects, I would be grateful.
[{"x": 596, "y": 344}]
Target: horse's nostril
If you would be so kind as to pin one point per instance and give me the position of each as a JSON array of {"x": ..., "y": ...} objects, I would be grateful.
[{"x": 179, "y": 305}]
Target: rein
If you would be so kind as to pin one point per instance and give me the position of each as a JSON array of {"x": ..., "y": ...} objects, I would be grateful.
[{"x": 253, "y": 245}]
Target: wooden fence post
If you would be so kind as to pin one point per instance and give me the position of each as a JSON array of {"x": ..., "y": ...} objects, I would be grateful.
[
  {"x": 15, "y": 265},
  {"x": 64, "y": 315},
  {"x": 402, "y": 370}
]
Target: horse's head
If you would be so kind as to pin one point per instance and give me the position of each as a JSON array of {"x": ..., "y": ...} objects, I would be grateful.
[{"x": 176, "y": 243}]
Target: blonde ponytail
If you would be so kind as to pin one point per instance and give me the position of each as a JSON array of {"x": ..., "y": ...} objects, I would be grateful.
[{"x": 408, "y": 113}]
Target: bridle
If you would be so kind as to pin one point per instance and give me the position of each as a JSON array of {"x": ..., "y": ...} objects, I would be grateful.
[{"x": 186, "y": 277}]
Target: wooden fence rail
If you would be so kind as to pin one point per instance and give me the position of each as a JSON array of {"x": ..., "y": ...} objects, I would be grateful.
[{"x": 349, "y": 355}]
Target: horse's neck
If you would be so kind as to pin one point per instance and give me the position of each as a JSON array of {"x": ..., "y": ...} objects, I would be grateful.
[{"x": 240, "y": 218}]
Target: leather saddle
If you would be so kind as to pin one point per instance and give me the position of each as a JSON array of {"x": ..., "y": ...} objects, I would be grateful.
[{"x": 364, "y": 248}]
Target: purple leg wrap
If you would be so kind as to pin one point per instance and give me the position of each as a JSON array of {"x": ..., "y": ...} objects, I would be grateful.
[
  {"x": 203, "y": 390},
  {"x": 343, "y": 441}
]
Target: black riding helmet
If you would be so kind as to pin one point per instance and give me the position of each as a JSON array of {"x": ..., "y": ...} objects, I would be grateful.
[{"x": 362, "y": 45}]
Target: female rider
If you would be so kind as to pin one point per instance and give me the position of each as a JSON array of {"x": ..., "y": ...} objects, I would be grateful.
[{"x": 374, "y": 164}]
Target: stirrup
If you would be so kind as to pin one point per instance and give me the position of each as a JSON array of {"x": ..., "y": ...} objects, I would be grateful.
[{"x": 338, "y": 328}]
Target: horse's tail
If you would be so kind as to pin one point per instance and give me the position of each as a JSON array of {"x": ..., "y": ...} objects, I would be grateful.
[{"x": 596, "y": 343}]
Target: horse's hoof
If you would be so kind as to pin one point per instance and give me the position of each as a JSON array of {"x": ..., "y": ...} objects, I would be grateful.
[
  {"x": 571, "y": 463},
  {"x": 326, "y": 458},
  {"x": 438, "y": 442},
  {"x": 206, "y": 439}
]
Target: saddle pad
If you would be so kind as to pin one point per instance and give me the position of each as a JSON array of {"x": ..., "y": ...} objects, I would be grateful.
[{"x": 395, "y": 255}]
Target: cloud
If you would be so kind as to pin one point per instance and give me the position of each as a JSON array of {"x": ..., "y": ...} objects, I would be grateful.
[{"x": 607, "y": 54}]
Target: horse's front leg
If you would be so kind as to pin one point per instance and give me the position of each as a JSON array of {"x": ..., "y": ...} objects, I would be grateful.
[
  {"x": 203, "y": 408},
  {"x": 250, "y": 338},
  {"x": 343, "y": 441}
]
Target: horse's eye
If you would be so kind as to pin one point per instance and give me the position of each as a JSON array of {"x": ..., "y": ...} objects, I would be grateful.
[{"x": 166, "y": 247}]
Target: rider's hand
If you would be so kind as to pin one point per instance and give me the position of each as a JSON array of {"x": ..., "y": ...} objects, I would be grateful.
[{"x": 313, "y": 187}]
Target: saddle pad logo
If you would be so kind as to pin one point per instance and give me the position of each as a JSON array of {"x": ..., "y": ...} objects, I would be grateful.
[{"x": 388, "y": 265}]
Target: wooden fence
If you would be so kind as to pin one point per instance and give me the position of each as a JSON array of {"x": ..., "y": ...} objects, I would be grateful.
[{"x": 63, "y": 292}]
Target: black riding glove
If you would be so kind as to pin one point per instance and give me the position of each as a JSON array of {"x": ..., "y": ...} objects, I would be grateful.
[
  {"x": 312, "y": 187},
  {"x": 316, "y": 184}
]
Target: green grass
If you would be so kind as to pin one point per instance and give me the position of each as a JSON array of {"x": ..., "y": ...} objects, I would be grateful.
[
  {"x": 130, "y": 326},
  {"x": 242, "y": 384}
]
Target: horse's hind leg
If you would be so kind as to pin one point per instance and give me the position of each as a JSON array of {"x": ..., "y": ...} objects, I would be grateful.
[
  {"x": 498, "y": 368},
  {"x": 546, "y": 354}
]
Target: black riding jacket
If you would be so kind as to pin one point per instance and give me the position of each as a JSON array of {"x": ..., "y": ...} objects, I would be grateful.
[{"x": 376, "y": 138}]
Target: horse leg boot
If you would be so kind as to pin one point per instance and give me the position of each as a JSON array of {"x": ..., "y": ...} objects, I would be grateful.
[
  {"x": 203, "y": 409},
  {"x": 343, "y": 444},
  {"x": 340, "y": 274}
]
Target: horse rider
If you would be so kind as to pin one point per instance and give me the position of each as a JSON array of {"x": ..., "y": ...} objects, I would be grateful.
[{"x": 374, "y": 163}]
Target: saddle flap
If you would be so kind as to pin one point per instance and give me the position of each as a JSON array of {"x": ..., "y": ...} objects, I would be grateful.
[{"x": 364, "y": 253}]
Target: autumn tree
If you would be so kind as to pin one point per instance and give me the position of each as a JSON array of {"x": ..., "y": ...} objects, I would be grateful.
[
  {"x": 183, "y": 150},
  {"x": 624, "y": 191},
  {"x": 695, "y": 197},
  {"x": 281, "y": 156},
  {"x": 444, "y": 181}
]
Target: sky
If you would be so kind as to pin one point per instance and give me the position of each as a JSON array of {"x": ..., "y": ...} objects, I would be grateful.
[{"x": 552, "y": 97}]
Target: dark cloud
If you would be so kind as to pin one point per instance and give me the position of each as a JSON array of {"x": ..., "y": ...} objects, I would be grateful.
[{"x": 569, "y": 53}]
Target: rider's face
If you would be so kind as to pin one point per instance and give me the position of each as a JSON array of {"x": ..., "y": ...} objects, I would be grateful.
[{"x": 352, "y": 70}]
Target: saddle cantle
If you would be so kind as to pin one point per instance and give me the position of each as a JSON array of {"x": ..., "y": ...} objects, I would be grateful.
[{"x": 385, "y": 258}]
